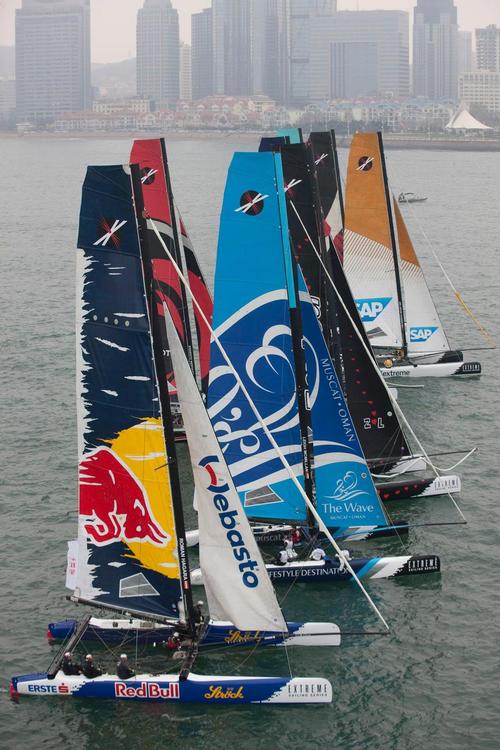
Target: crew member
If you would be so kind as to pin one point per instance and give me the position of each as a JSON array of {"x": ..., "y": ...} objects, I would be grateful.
[
  {"x": 173, "y": 642},
  {"x": 69, "y": 666},
  {"x": 89, "y": 668},
  {"x": 198, "y": 612},
  {"x": 289, "y": 548},
  {"x": 122, "y": 668},
  {"x": 296, "y": 535},
  {"x": 345, "y": 556},
  {"x": 318, "y": 554},
  {"x": 282, "y": 557}
]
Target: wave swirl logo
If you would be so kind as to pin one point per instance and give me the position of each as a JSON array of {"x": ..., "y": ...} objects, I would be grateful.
[{"x": 347, "y": 488}]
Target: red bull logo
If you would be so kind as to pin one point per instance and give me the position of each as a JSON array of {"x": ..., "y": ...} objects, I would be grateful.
[
  {"x": 155, "y": 690},
  {"x": 115, "y": 503}
]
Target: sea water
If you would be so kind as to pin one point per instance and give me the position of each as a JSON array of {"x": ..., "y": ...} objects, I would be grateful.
[{"x": 433, "y": 682}]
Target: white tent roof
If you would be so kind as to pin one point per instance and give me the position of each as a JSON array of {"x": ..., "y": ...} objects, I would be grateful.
[{"x": 463, "y": 120}]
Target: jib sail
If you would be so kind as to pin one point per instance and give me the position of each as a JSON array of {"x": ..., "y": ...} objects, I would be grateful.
[
  {"x": 244, "y": 594},
  {"x": 127, "y": 554}
]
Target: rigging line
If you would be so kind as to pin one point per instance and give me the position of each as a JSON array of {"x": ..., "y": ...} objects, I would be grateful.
[
  {"x": 266, "y": 430},
  {"x": 395, "y": 404},
  {"x": 441, "y": 468},
  {"x": 484, "y": 332}
]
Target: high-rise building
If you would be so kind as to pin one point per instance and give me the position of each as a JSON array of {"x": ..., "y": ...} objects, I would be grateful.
[
  {"x": 158, "y": 53},
  {"x": 355, "y": 54},
  {"x": 185, "y": 87},
  {"x": 52, "y": 58},
  {"x": 202, "y": 54},
  {"x": 481, "y": 88},
  {"x": 465, "y": 56},
  {"x": 232, "y": 57},
  {"x": 488, "y": 48},
  {"x": 435, "y": 49},
  {"x": 268, "y": 48},
  {"x": 301, "y": 17}
]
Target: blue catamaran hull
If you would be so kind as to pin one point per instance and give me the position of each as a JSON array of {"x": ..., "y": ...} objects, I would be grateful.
[
  {"x": 170, "y": 688},
  {"x": 365, "y": 568},
  {"x": 215, "y": 634}
]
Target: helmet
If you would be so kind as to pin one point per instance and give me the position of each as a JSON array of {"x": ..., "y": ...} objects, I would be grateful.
[
  {"x": 200, "y": 603},
  {"x": 123, "y": 656},
  {"x": 88, "y": 657},
  {"x": 176, "y": 634},
  {"x": 67, "y": 655}
]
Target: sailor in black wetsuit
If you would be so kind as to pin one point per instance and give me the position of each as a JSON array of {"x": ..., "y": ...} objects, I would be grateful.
[
  {"x": 69, "y": 667},
  {"x": 89, "y": 668},
  {"x": 122, "y": 668}
]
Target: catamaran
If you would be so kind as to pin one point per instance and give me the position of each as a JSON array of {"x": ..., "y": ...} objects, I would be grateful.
[
  {"x": 385, "y": 275},
  {"x": 130, "y": 556}
]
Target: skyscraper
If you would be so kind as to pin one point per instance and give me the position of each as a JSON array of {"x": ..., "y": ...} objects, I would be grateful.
[
  {"x": 435, "y": 49},
  {"x": 52, "y": 58},
  {"x": 158, "y": 53},
  {"x": 465, "y": 58},
  {"x": 300, "y": 14},
  {"x": 185, "y": 86},
  {"x": 488, "y": 48},
  {"x": 355, "y": 54},
  {"x": 232, "y": 57},
  {"x": 202, "y": 54}
]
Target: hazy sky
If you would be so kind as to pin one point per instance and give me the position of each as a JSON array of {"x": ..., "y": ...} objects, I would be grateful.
[{"x": 113, "y": 21}]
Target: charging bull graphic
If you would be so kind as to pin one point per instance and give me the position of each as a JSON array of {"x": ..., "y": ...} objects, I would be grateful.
[{"x": 115, "y": 503}]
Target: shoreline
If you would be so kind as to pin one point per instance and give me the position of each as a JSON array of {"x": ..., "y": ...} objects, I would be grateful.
[{"x": 391, "y": 140}]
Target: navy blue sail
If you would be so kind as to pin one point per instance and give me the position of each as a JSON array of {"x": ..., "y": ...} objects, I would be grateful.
[{"x": 126, "y": 554}]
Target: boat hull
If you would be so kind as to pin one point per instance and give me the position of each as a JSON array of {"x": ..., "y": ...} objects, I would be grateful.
[
  {"x": 169, "y": 688},
  {"x": 216, "y": 633},
  {"x": 331, "y": 571},
  {"x": 431, "y": 370},
  {"x": 415, "y": 488}
]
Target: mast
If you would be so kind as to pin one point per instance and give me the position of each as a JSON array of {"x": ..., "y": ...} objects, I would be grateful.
[
  {"x": 338, "y": 178},
  {"x": 173, "y": 468},
  {"x": 393, "y": 244},
  {"x": 177, "y": 256}
]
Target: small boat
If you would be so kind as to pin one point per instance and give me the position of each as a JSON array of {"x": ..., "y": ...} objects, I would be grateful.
[
  {"x": 385, "y": 275},
  {"x": 130, "y": 557},
  {"x": 411, "y": 198}
]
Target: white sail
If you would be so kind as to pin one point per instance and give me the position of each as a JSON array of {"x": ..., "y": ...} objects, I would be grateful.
[
  {"x": 424, "y": 331},
  {"x": 235, "y": 578}
]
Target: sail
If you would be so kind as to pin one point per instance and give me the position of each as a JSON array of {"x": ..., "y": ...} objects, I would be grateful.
[
  {"x": 235, "y": 578},
  {"x": 345, "y": 493},
  {"x": 252, "y": 321},
  {"x": 127, "y": 542},
  {"x": 294, "y": 135},
  {"x": 372, "y": 413},
  {"x": 424, "y": 330},
  {"x": 323, "y": 148},
  {"x": 369, "y": 243}
]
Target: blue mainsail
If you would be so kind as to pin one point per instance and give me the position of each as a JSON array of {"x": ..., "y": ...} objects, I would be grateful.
[
  {"x": 252, "y": 321},
  {"x": 345, "y": 493}
]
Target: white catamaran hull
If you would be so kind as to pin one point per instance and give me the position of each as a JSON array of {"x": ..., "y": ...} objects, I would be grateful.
[
  {"x": 333, "y": 571},
  {"x": 431, "y": 370},
  {"x": 169, "y": 687}
]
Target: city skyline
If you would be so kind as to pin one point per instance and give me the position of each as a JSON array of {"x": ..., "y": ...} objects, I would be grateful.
[{"x": 112, "y": 42}]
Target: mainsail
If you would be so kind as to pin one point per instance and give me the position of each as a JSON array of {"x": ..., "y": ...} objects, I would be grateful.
[
  {"x": 127, "y": 541},
  {"x": 324, "y": 152},
  {"x": 424, "y": 330},
  {"x": 151, "y": 155},
  {"x": 252, "y": 321},
  {"x": 244, "y": 594},
  {"x": 370, "y": 248}
]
